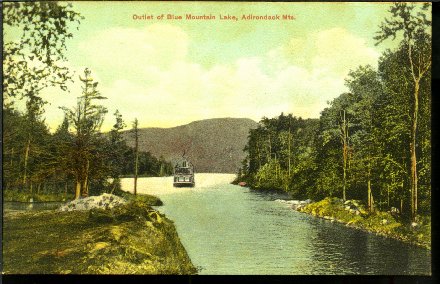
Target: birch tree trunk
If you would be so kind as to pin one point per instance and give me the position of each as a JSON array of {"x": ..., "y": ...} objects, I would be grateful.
[{"x": 26, "y": 158}]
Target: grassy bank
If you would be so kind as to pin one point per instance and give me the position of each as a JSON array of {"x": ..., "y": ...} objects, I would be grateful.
[
  {"x": 21, "y": 196},
  {"x": 145, "y": 198},
  {"x": 381, "y": 223},
  {"x": 130, "y": 239}
]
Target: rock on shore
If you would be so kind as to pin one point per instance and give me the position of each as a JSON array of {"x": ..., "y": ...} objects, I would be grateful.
[
  {"x": 354, "y": 214},
  {"x": 103, "y": 201},
  {"x": 295, "y": 204}
]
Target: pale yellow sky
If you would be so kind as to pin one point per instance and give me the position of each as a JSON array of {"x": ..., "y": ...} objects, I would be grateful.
[{"x": 171, "y": 72}]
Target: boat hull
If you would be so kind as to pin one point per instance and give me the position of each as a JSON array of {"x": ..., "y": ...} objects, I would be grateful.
[{"x": 183, "y": 184}]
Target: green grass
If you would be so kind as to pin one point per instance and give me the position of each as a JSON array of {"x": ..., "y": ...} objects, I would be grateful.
[
  {"x": 130, "y": 239},
  {"x": 146, "y": 198},
  {"x": 22, "y": 196},
  {"x": 372, "y": 222}
]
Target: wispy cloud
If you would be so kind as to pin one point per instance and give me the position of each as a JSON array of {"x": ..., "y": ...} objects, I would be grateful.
[{"x": 146, "y": 73}]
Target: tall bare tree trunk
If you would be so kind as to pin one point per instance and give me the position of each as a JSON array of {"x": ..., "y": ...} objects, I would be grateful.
[
  {"x": 85, "y": 185},
  {"x": 413, "y": 152},
  {"x": 370, "y": 205},
  {"x": 26, "y": 158},
  {"x": 344, "y": 137},
  {"x": 77, "y": 188},
  {"x": 136, "y": 173},
  {"x": 136, "y": 163},
  {"x": 288, "y": 150}
]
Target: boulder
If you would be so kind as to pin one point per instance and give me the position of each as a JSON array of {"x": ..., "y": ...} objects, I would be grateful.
[
  {"x": 289, "y": 202},
  {"x": 103, "y": 201},
  {"x": 297, "y": 206}
]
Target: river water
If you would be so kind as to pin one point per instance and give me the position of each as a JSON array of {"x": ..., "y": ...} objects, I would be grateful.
[{"x": 228, "y": 229}]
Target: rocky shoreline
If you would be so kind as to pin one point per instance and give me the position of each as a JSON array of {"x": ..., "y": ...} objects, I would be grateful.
[
  {"x": 353, "y": 213},
  {"x": 103, "y": 234}
]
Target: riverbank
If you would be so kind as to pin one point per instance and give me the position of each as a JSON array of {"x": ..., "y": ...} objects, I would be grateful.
[
  {"x": 129, "y": 239},
  {"x": 380, "y": 223},
  {"x": 21, "y": 196},
  {"x": 18, "y": 196}
]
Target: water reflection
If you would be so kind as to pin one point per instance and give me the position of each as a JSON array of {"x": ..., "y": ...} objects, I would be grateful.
[
  {"x": 228, "y": 229},
  {"x": 347, "y": 250}
]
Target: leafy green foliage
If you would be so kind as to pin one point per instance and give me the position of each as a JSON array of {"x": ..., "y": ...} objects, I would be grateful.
[
  {"x": 371, "y": 143},
  {"x": 412, "y": 22},
  {"x": 35, "y": 60},
  {"x": 76, "y": 158}
]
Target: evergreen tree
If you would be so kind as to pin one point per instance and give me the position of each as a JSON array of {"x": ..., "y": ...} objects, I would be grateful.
[{"x": 86, "y": 119}]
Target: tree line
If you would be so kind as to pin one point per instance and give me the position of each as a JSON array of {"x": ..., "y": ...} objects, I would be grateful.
[
  {"x": 372, "y": 143},
  {"x": 77, "y": 157}
]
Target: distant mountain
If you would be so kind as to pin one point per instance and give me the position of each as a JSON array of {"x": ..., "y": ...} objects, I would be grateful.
[{"x": 212, "y": 145}]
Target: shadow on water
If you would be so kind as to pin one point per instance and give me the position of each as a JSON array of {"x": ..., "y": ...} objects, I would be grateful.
[{"x": 348, "y": 250}]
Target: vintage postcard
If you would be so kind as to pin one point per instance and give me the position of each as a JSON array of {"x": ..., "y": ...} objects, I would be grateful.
[{"x": 257, "y": 138}]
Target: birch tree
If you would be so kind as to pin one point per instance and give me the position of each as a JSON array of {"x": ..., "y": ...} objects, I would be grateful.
[
  {"x": 136, "y": 153},
  {"x": 411, "y": 22}
]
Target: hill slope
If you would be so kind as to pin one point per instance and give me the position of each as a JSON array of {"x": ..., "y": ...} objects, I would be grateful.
[{"x": 212, "y": 145}]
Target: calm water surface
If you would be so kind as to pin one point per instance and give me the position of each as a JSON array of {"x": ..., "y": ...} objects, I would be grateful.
[{"x": 227, "y": 229}]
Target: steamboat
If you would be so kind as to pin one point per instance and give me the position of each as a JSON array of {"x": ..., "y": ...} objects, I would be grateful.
[{"x": 184, "y": 174}]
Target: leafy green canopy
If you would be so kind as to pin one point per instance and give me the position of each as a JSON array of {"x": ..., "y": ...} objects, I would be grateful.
[{"x": 36, "y": 60}]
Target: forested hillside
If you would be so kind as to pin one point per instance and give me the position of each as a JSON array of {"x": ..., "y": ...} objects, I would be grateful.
[
  {"x": 372, "y": 143},
  {"x": 212, "y": 145}
]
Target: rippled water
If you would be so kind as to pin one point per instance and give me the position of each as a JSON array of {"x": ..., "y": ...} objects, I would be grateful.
[{"x": 227, "y": 229}]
